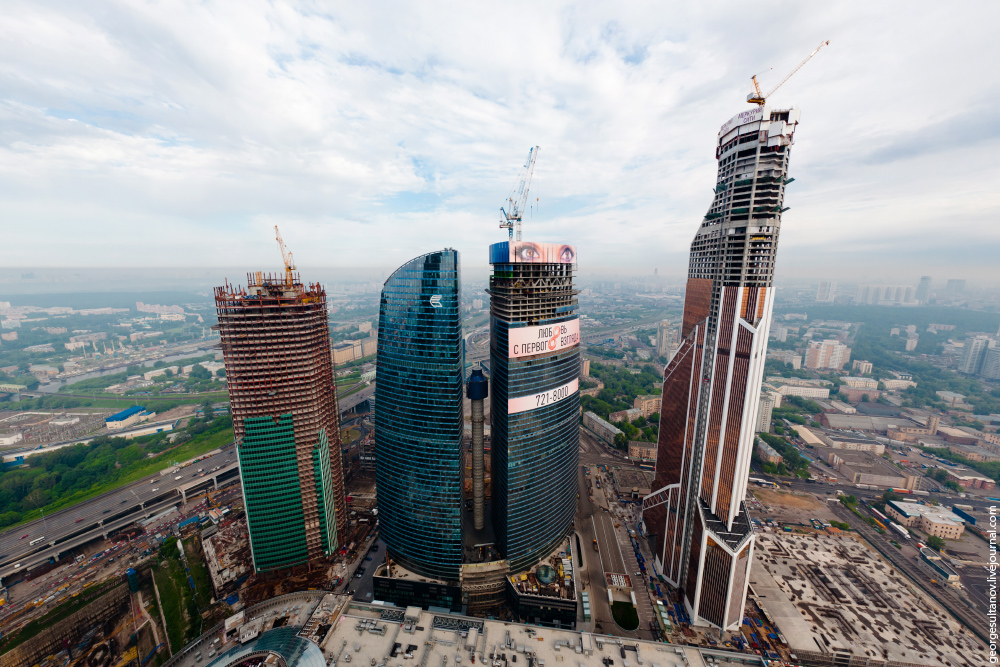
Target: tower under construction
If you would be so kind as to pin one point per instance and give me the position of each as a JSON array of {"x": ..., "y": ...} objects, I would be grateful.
[
  {"x": 276, "y": 346},
  {"x": 696, "y": 516}
]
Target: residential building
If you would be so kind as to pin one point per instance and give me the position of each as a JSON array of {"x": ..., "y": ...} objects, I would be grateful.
[
  {"x": 585, "y": 372},
  {"x": 827, "y": 354},
  {"x": 787, "y": 358},
  {"x": 644, "y": 452},
  {"x": 895, "y": 384},
  {"x": 860, "y": 383},
  {"x": 886, "y": 295},
  {"x": 628, "y": 415},
  {"x": 974, "y": 354},
  {"x": 973, "y": 452},
  {"x": 990, "y": 368},
  {"x": 911, "y": 342},
  {"x": 701, "y": 534},
  {"x": 862, "y": 367},
  {"x": 827, "y": 290},
  {"x": 535, "y": 397},
  {"x": 647, "y": 405},
  {"x": 275, "y": 342},
  {"x": 768, "y": 401},
  {"x": 935, "y": 521},
  {"x": 779, "y": 333},
  {"x": 803, "y": 391},
  {"x": 664, "y": 338},
  {"x": 601, "y": 428},
  {"x": 419, "y": 424},
  {"x": 767, "y": 453},
  {"x": 923, "y": 293},
  {"x": 857, "y": 395}
]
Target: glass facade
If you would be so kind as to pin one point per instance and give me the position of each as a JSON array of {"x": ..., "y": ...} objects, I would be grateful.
[
  {"x": 271, "y": 490},
  {"x": 420, "y": 421},
  {"x": 535, "y": 450}
]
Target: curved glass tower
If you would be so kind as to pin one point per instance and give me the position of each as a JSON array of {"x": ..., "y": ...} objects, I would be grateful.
[
  {"x": 419, "y": 420},
  {"x": 535, "y": 407}
]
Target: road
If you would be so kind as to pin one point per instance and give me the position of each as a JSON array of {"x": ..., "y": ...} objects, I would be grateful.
[{"x": 85, "y": 521}]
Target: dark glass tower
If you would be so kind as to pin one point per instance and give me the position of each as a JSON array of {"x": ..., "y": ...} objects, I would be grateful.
[
  {"x": 703, "y": 538},
  {"x": 419, "y": 420},
  {"x": 535, "y": 403}
]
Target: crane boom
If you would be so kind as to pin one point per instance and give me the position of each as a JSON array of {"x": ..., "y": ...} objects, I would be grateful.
[
  {"x": 518, "y": 196},
  {"x": 758, "y": 99},
  {"x": 286, "y": 256}
]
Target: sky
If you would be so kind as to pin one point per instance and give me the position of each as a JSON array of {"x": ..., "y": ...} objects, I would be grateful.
[{"x": 177, "y": 134}]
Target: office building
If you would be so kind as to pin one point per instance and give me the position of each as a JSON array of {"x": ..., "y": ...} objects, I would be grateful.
[
  {"x": 696, "y": 516},
  {"x": 974, "y": 354},
  {"x": 276, "y": 346},
  {"x": 419, "y": 384},
  {"x": 827, "y": 354},
  {"x": 826, "y": 291},
  {"x": 923, "y": 293},
  {"x": 535, "y": 397}
]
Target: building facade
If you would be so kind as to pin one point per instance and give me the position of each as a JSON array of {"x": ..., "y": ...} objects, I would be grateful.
[
  {"x": 601, "y": 428},
  {"x": 535, "y": 398},
  {"x": 419, "y": 389},
  {"x": 826, "y": 291},
  {"x": 703, "y": 537},
  {"x": 276, "y": 346},
  {"x": 827, "y": 354},
  {"x": 647, "y": 404},
  {"x": 768, "y": 401},
  {"x": 974, "y": 354}
]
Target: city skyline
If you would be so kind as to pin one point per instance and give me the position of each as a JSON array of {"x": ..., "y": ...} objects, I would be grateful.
[{"x": 199, "y": 159}]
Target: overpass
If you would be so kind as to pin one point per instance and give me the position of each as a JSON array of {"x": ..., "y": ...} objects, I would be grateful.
[{"x": 70, "y": 528}]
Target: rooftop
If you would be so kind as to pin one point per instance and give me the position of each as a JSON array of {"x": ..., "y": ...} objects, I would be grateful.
[{"x": 935, "y": 514}]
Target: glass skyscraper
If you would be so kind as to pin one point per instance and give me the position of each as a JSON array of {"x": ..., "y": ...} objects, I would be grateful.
[
  {"x": 419, "y": 422},
  {"x": 535, "y": 402}
]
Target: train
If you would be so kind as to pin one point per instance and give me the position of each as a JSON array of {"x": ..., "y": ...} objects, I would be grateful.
[
  {"x": 880, "y": 524},
  {"x": 879, "y": 515}
]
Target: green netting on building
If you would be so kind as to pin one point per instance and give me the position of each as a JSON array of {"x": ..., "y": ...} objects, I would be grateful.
[
  {"x": 324, "y": 493},
  {"x": 272, "y": 492}
]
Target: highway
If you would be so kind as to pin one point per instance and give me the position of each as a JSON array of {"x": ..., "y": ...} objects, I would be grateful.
[{"x": 81, "y": 523}]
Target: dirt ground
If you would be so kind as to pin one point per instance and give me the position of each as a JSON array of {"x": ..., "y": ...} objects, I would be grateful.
[
  {"x": 178, "y": 412},
  {"x": 786, "y": 499}
]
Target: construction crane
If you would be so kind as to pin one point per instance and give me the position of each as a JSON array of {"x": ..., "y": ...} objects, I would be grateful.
[
  {"x": 760, "y": 98},
  {"x": 517, "y": 197},
  {"x": 286, "y": 255}
]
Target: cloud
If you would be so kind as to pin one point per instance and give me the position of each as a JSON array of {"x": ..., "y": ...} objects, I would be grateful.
[{"x": 178, "y": 134}]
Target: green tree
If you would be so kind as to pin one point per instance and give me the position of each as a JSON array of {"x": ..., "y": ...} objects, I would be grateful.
[
  {"x": 621, "y": 440},
  {"x": 935, "y": 542}
]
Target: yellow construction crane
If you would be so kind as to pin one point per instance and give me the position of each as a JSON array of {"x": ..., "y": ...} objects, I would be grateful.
[
  {"x": 286, "y": 255},
  {"x": 760, "y": 98}
]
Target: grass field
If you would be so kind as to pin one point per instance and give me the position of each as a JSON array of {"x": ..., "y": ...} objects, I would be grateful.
[
  {"x": 625, "y": 615},
  {"x": 199, "y": 572},
  {"x": 350, "y": 435},
  {"x": 172, "y": 584},
  {"x": 196, "y": 446},
  {"x": 112, "y": 401}
]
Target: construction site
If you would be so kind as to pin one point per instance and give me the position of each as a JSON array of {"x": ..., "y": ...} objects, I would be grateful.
[{"x": 831, "y": 595}]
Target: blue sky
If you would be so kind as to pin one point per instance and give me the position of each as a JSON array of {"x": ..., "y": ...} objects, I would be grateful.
[{"x": 164, "y": 134}]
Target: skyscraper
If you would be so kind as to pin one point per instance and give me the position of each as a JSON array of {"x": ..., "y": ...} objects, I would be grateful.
[
  {"x": 664, "y": 338},
  {"x": 826, "y": 291},
  {"x": 923, "y": 293},
  {"x": 535, "y": 398},
  {"x": 702, "y": 535},
  {"x": 974, "y": 354},
  {"x": 419, "y": 422},
  {"x": 276, "y": 346}
]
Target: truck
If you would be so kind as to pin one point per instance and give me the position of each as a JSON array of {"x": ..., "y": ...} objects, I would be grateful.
[{"x": 899, "y": 529}]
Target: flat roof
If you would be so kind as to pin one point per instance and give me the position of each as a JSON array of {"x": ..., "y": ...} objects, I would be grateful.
[{"x": 935, "y": 514}]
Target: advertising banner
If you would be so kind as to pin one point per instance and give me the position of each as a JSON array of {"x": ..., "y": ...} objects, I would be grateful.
[
  {"x": 540, "y": 400},
  {"x": 527, "y": 341},
  {"x": 526, "y": 252},
  {"x": 742, "y": 118}
]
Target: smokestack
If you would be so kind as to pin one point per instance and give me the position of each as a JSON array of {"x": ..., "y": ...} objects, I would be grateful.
[{"x": 477, "y": 389}]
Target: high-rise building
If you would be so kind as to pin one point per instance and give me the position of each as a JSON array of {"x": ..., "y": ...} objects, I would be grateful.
[
  {"x": 535, "y": 397},
  {"x": 955, "y": 285},
  {"x": 276, "y": 346},
  {"x": 991, "y": 364},
  {"x": 827, "y": 354},
  {"x": 702, "y": 534},
  {"x": 419, "y": 422},
  {"x": 664, "y": 338},
  {"x": 974, "y": 354},
  {"x": 768, "y": 401},
  {"x": 827, "y": 290},
  {"x": 923, "y": 294}
]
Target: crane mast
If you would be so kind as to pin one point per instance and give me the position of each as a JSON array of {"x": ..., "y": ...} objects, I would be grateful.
[
  {"x": 286, "y": 255},
  {"x": 511, "y": 219},
  {"x": 759, "y": 98}
]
